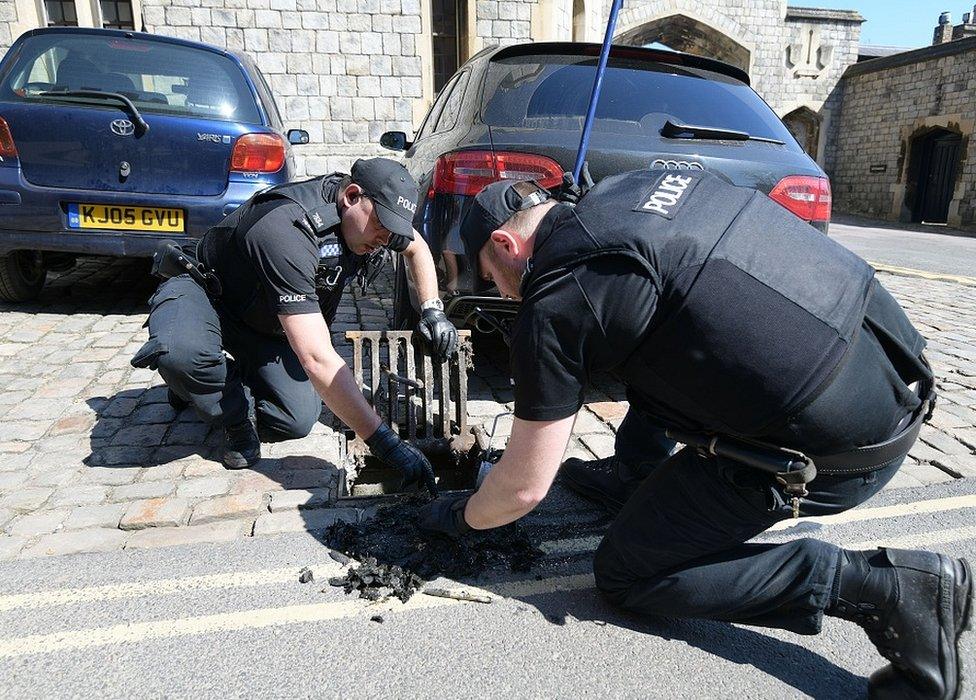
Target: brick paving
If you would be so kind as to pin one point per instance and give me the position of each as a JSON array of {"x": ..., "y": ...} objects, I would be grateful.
[{"x": 92, "y": 458}]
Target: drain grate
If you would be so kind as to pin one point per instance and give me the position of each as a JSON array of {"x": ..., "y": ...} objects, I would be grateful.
[{"x": 426, "y": 404}]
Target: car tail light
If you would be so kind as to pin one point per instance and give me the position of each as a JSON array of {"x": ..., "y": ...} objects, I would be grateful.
[
  {"x": 466, "y": 172},
  {"x": 258, "y": 153},
  {"x": 7, "y": 147},
  {"x": 807, "y": 197}
]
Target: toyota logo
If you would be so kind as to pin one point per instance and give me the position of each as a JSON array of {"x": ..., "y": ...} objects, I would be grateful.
[
  {"x": 122, "y": 127},
  {"x": 677, "y": 164}
]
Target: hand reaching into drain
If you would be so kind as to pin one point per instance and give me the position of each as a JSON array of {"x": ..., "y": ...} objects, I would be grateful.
[
  {"x": 388, "y": 447},
  {"x": 445, "y": 515}
]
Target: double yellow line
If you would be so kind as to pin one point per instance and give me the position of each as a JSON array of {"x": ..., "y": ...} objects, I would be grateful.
[
  {"x": 140, "y": 632},
  {"x": 923, "y": 274}
]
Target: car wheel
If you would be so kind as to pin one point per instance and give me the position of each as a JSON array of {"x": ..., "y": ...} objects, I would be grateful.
[
  {"x": 405, "y": 318},
  {"x": 22, "y": 275}
]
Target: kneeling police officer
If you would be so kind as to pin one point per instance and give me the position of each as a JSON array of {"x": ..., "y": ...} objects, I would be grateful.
[
  {"x": 792, "y": 376},
  {"x": 265, "y": 283}
]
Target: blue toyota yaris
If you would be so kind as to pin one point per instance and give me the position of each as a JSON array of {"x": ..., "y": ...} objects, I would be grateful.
[{"x": 112, "y": 140}]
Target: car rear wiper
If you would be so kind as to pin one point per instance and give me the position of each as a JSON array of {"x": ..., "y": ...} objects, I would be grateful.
[
  {"x": 672, "y": 130},
  {"x": 99, "y": 95}
]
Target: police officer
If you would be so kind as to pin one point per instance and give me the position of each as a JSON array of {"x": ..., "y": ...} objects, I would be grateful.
[
  {"x": 770, "y": 351},
  {"x": 269, "y": 281}
]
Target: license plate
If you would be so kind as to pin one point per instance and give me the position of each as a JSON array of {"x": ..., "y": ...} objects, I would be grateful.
[{"x": 110, "y": 216}]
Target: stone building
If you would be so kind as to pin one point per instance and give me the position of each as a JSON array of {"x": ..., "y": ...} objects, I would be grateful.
[
  {"x": 348, "y": 70},
  {"x": 901, "y": 148}
]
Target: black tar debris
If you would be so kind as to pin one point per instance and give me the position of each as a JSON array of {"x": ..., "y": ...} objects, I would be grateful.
[
  {"x": 376, "y": 581},
  {"x": 399, "y": 557},
  {"x": 377, "y": 618},
  {"x": 306, "y": 575}
]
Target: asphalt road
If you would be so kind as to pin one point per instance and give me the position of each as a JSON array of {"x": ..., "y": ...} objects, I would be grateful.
[
  {"x": 232, "y": 620},
  {"x": 922, "y": 248}
]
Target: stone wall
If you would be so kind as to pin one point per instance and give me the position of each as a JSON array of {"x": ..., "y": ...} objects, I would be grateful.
[
  {"x": 504, "y": 22},
  {"x": 344, "y": 70},
  {"x": 888, "y": 102}
]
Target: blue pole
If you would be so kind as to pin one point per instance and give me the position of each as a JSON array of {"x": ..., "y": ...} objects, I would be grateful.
[{"x": 597, "y": 85}]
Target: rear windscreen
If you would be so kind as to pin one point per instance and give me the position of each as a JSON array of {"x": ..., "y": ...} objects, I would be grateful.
[
  {"x": 159, "y": 78},
  {"x": 637, "y": 97}
]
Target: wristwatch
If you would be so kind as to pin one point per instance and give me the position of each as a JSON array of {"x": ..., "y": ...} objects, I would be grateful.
[{"x": 434, "y": 303}]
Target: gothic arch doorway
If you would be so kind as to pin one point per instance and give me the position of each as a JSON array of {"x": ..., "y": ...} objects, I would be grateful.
[{"x": 687, "y": 34}]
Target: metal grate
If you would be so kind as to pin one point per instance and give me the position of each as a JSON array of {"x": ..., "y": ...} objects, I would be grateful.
[{"x": 425, "y": 404}]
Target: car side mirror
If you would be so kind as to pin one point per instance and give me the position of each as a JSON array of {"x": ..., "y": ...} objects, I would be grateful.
[
  {"x": 395, "y": 141},
  {"x": 297, "y": 137}
]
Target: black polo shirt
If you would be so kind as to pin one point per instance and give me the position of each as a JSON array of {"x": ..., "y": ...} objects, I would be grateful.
[{"x": 589, "y": 319}]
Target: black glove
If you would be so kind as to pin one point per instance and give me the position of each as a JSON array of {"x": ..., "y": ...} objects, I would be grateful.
[
  {"x": 393, "y": 451},
  {"x": 438, "y": 335},
  {"x": 446, "y": 515}
]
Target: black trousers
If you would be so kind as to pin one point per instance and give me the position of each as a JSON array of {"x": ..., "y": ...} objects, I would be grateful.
[
  {"x": 188, "y": 338},
  {"x": 678, "y": 546}
]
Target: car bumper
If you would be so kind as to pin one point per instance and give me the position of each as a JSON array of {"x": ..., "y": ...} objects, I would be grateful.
[{"x": 93, "y": 242}]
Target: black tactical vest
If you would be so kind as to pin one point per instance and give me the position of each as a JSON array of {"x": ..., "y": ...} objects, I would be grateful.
[
  {"x": 756, "y": 308},
  {"x": 320, "y": 220}
]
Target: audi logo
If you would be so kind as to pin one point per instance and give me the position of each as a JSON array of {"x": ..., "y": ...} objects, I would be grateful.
[
  {"x": 677, "y": 164},
  {"x": 122, "y": 127}
]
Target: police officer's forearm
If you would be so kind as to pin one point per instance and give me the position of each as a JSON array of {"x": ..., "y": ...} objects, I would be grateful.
[
  {"x": 522, "y": 477},
  {"x": 335, "y": 383},
  {"x": 309, "y": 337},
  {"x": 420, "y": 264}
]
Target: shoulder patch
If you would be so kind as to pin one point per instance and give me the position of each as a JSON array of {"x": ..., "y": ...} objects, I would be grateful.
[
  {"x": 667, "y": 195},
  {"x": 323, "y": 218}
]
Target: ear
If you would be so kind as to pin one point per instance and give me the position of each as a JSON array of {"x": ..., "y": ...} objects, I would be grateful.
[
  {"x": 509, "y": 241},
  {"x": 351, "y": 194}
]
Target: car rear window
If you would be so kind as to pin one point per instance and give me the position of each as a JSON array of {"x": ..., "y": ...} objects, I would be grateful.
[
  {"x": 638, "y": 96},
  {"x": 158, "y": 77}
]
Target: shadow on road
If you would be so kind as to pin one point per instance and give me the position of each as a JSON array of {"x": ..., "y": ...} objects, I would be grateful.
[
  {"x": 137, "y": 428},
  {"x": 807, "y": 671},
  {"x": 99, "y": 286}
]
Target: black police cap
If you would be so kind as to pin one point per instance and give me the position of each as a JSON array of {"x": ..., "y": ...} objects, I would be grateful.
[
  {"x": 492, "y": 207},
  {"x": 394, "y": 194}
]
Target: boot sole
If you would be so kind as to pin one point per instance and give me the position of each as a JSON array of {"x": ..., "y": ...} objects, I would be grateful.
[
  {"x": 241, "y": 463},
  {"x": 964, "y": 637}
]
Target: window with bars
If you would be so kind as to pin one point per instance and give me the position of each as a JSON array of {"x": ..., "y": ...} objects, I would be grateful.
[
  {"x": 117, "y": 14},
  {"x": 61, "y": 13}
]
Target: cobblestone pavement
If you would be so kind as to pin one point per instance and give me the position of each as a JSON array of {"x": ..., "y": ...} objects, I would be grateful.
[{"x": 93, "y": 458}]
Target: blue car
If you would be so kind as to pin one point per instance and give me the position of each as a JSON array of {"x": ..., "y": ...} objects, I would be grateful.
[{"x": 113, "y": 140}]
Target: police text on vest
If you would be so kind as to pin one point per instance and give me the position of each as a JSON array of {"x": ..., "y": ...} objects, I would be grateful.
[
  {"x": 668, "y": 194},
  {"x": 290, "y": 298}
]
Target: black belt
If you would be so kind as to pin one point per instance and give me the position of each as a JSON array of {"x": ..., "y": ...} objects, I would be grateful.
[
  {"x": 794, "y": 469},
  {"x": 871, "y": 457}
]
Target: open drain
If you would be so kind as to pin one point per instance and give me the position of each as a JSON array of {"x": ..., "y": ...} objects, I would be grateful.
[{"x": 426, "y": 404}]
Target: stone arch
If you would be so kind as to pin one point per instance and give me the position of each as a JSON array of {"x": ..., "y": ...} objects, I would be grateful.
[
  {"x": 684, "y": 27},
  {"x": 805, "y": 125}
]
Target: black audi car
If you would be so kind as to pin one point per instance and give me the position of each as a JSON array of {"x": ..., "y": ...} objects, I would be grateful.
[{"x": 518, "y": 111}]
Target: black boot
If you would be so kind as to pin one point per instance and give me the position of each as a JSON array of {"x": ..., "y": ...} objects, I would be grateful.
[
  {"x": 914, "y": 605},
  {"x": 241, "y": 445},
  {"x": 608, "y": 482}
]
